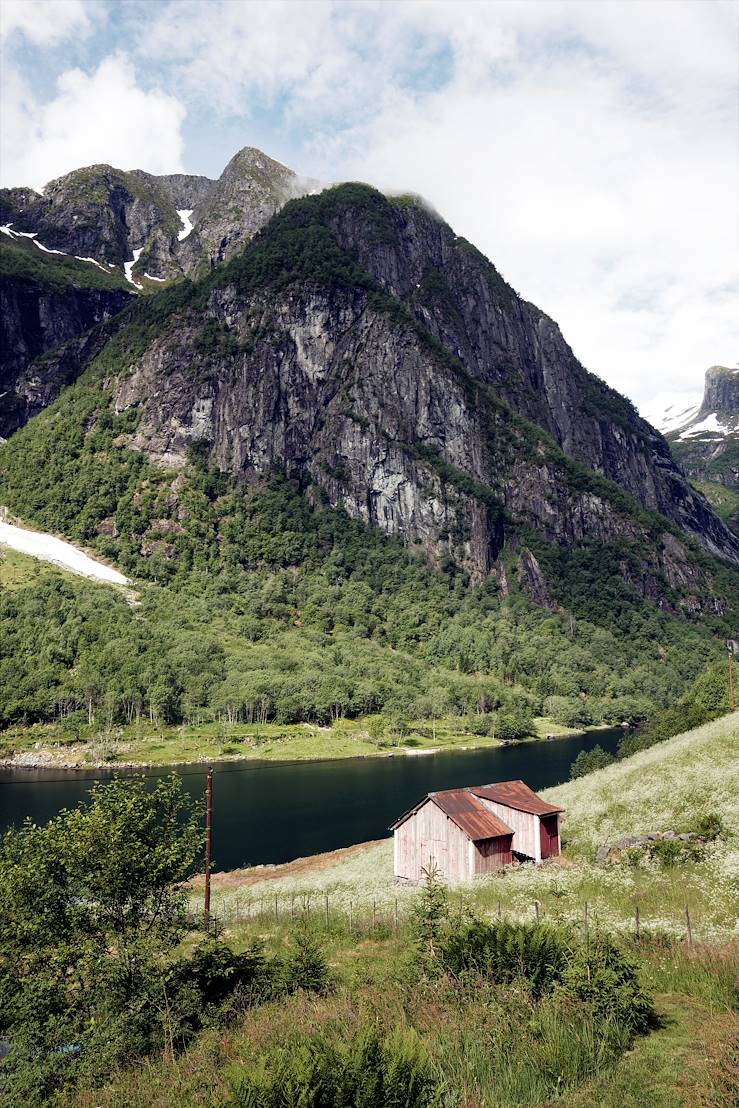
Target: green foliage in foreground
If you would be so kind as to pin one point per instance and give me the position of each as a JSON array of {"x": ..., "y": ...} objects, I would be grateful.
[
  {"x": 368, "y": 1072},
  {"x": 93, "y": 914}
]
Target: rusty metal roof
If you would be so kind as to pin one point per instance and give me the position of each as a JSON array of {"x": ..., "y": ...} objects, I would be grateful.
[
  {"x": 466, "y": 811},
  {"x": 472, "y": 817},
  {"x": 518, "y": 795}
]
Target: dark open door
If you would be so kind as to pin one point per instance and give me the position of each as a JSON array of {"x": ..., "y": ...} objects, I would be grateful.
[{"x": 549, "y": 836}]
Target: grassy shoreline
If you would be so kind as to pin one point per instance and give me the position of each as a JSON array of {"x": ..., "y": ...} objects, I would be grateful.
[{"x": 51, "y": 747}]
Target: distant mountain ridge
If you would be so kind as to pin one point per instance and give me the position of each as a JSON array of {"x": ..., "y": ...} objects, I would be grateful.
[
  {"x": 704, "y": 439},
  {"x": 73, "y": 255},
  {"x": 109, "y": 214}
]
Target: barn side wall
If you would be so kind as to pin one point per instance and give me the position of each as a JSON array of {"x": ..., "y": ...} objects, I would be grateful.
[
  {"x": 490, "y": 854},
  {"x": 430, "y": 833},
  {"x": 525, "y": 827}
]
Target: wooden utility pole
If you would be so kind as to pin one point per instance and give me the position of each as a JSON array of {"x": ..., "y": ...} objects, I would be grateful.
[
  {"x": 732, "y": 685},
  {"x": 208, "y": 844}
]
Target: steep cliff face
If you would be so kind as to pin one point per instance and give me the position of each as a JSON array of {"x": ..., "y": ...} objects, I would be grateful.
[
  {"x": 437, "y": 405},
  {"x": 706, "y": 443},
  {"x": 44, "y": 302}
]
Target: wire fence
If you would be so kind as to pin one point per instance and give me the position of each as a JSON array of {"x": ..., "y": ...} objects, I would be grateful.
[{"x": 382, "y": 917}]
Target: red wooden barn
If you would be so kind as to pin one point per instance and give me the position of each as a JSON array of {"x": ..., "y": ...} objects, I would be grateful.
[{"x": 474, "y": 830}]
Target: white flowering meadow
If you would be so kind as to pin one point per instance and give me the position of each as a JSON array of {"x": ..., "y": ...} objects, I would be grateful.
[{"x": 665, "y": 788}]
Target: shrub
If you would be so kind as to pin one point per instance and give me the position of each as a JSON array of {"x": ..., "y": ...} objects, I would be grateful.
[
  {"x": 600, "y": 974},
  {"x": 504, "y": 952},
  {"x": 370, "y": 1072},
  {"x": 594, "y": 971},
  {"x": 709, "y": 826},
  {"x": 306, "y": 967},
  {"x": 429, "y": 921},
  {"x": 675, "y": 852},
  {"x": 588, "y": 761}
]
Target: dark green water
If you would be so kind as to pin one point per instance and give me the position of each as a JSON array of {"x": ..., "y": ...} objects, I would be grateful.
[{"x": 271, "y": 812}]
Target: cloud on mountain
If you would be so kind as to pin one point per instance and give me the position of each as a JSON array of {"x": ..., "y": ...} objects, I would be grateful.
[{"x": 588, "y": 149}]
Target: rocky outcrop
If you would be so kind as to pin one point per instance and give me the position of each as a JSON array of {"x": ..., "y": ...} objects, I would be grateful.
[
  {"x": 416, "y": 412},
  {"x": 706, "y": 444},
  {"x": 34, "y": 318}
]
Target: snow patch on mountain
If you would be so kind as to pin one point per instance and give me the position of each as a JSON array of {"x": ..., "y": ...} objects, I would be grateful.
[
  {"x": 671, "y": 411},
  {"x": 708, "y": 423},
  {"x": 50, "y": 549},
  {"x": 187, "y": 225},
  {"x": 128, "y": 268}
]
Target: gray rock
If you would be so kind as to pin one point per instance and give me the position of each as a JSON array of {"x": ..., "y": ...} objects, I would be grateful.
[{"x": 602, "y": 855}]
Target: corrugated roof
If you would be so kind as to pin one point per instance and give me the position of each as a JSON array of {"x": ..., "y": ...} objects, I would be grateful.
[
  {"x": 518, "y": 795},
  {"x": 472, "y": 817},
  {"x": 466, "y": 811}
]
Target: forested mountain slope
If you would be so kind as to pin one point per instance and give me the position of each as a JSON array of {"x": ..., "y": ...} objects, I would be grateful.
[{"x": 255, "y": 444}]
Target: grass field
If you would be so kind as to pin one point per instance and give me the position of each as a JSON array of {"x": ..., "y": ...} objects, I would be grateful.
[
  {"x": 668, "y": 787},
  {"x": 146, "y": 744},
  {"x": 689, "y": 1060}
]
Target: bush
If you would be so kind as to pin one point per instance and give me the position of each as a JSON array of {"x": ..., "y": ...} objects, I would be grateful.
[
  {"x": 505, "y": 952},
  {"x": 313, "y": 1072},
  {"x": 674, "y": 852},
  {"x": 600, "y": 974},
  {"x": 710, "y": 826},
  {"x": 588, "y": 761},
  {"x": 553, "y": 959},
  {"x": 306, "y": 967}
]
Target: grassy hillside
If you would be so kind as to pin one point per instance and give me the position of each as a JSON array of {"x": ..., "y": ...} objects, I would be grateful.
[
  {"x": 668, "y": 787},
  {"x": 457, "y": 1030},
  {"x": 21, "y": 260}
]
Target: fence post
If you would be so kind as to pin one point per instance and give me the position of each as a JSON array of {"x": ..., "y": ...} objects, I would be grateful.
[
  {"x": 536, "y": 909},
  {"x": 499, "y": 911},
  {"x": 585, "y": 922},
  {"x": 638, "y": 922},
  {"x": 687, "y": 922}
]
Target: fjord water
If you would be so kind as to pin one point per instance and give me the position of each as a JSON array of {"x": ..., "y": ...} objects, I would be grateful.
[{"x": 274, "y": 812}]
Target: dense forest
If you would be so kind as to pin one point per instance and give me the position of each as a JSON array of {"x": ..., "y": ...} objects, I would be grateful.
[{"x": 285, "y": 610}]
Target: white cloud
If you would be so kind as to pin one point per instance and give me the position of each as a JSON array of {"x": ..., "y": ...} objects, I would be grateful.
[
  {"x": 43, "y": 22},
  {"x": 103, "y": 116},
  {"x": 587, "y": 148}
]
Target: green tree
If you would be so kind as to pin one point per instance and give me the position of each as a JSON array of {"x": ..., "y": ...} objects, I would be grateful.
[{"x": 89, "y": 905}]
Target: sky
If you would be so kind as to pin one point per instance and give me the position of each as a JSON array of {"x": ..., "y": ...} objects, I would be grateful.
[{"x": 588, "y": 148}]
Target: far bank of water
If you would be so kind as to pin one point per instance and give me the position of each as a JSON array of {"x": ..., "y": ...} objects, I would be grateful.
[{"x": 275, "y": 812}]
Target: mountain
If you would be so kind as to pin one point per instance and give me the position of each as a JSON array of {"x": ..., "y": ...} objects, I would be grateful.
[
  {"x": 351, "y": 470},
  {"x": 704, "y": 439},
  {"x": 72, "y": 256},
  {"x": 358, "y": 346}
]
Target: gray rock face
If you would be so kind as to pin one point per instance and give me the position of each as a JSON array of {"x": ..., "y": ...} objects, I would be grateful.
[
  {"x": 332, "y": 388},
  {"x": 108, "y": 213},
  {"x": 33, "y": 319},
  {"x": 721, "y": 392},
  {"x": 707, "y": 446},
  {"x": 250, "y": 190}
]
